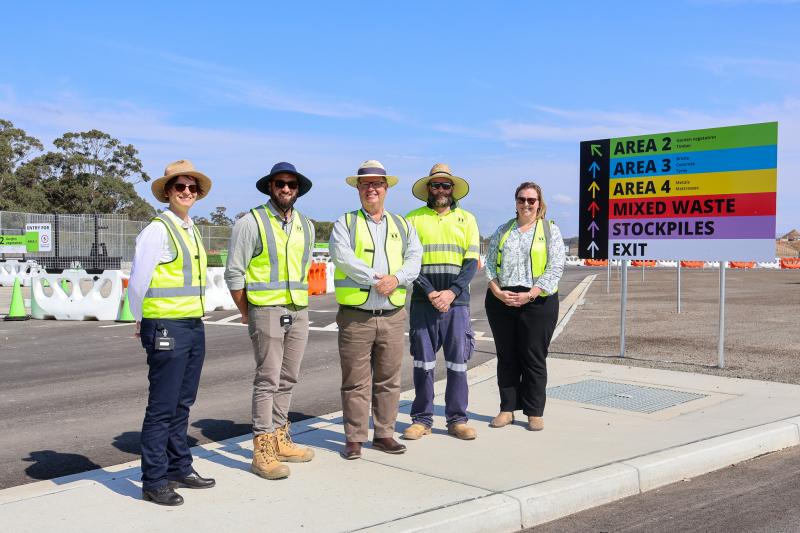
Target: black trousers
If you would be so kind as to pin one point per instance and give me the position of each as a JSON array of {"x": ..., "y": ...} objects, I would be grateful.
[
  {"x": 174, "y": 376},
  {"x": 522, "y": 337}
]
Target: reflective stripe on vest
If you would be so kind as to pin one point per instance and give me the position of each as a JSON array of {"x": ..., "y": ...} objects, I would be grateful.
[
  {"x": 177, "y": 287},
  {"x": 348, "y": 292},
  {"x": 540, "y": 249},
  {"x": 279, "y": 274},
  {"x": 447, "y": 240}
]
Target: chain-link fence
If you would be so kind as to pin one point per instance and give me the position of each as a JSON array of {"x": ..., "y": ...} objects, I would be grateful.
[{"x": 94, "y": 241}]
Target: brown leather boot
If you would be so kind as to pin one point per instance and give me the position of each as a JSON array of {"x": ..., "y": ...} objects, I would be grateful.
[
  {"x": 265, "y": 461},
  {"x": 287, "y": 450},
  {"x": 503, "y": 419}
]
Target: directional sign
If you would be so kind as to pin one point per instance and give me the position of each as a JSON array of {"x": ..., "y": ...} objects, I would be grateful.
[{"x": 702, "y": 194}]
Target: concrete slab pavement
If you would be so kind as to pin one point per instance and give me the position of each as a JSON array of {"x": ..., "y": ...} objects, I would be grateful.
[{"x": 506, "y": 479}]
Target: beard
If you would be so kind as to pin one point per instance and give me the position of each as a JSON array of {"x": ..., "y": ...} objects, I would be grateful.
[
  {"x": 439, "y": 201},
  {"x": 284, "y": 205}
]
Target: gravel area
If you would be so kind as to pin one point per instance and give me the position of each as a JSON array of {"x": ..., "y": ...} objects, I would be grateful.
[{"x": 762, "y": 323}]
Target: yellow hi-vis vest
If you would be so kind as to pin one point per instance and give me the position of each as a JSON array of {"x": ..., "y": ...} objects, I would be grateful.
[
  {"x": 178, "y": 286},
  {"x": 447, "y": 240},
  {"x": 348, "y": 292},
  {"x": 279, "y": 274},
  {"x": 540, "y": 248}
]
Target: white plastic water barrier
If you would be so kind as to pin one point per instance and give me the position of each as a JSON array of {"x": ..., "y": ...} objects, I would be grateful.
[
  {"x": 76, "y": 295},
  {"x": 13, "y": 269},
  {"x": 217, "y": 294}
]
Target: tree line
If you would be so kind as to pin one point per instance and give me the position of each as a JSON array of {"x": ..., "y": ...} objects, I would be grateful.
[{"x": 87, "y": 172}]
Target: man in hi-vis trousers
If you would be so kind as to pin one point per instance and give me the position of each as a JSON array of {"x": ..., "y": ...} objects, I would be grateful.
[
  {"x": 377, "y": 255},
  {"x": 267, "y": 273},
  {"x": 440, "y": 316}
]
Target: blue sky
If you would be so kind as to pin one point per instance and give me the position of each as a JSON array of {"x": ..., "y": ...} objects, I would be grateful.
[{"x": 502, "y": 91}]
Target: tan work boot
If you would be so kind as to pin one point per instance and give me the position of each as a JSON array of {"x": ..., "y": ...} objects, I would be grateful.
[
  {"x": 503, "y": 419},
  {"x": 462, "y": 431},
  {"x": 287, "y": 450},
  {"x": 535, "y": 423},
  {"x": 265, "y": 463},
  {"x": 416, "y": 431}
]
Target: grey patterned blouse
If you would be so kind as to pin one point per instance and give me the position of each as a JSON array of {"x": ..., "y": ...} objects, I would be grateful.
[{"x": 516, "y": 267}]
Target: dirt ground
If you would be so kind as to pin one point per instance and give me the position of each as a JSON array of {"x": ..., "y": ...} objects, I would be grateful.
[{"x": 762, "y": 322}]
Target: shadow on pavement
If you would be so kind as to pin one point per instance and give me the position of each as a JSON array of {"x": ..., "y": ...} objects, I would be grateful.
[
  {"x": 49, "y": 464},
  {"x": 215, "y": 430}
]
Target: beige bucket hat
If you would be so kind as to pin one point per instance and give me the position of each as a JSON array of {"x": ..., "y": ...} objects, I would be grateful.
[
  {"x": 181, "y": 167},
  {"x": 371, "y": 169},
  {"x": 440, "y": 170}
]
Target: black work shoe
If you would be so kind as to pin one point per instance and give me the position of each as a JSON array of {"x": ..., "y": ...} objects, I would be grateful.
[
  {"x": 193, "y": 481},
  {"x": 163, "y": 496}
]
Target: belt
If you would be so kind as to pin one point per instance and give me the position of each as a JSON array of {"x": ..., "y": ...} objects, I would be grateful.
[{"x": 373, "y": 312}]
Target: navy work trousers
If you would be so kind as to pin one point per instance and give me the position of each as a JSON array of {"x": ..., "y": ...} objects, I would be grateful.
[
  {"x": 522, "y": 337},
  {"x": 429, "y": 332},
  {"x": 174, "y": 376}
]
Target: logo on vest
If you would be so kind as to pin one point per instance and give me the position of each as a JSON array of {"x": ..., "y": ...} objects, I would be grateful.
[{"x": 394, "y": 235}]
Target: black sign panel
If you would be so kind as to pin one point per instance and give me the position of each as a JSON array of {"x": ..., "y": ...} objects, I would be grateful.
[{"x": 593, "y": 204}]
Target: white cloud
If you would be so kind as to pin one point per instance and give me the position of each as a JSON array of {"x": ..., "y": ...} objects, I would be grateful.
[{"x": 564, "y": 199}]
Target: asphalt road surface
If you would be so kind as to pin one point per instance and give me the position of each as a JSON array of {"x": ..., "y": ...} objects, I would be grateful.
[
  {"x": 72, "y": 394},
  {"x": 760, "y": 495}
]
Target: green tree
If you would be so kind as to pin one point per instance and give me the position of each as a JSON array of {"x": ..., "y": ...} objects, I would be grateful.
[
  {"x": 20, "y": 189},
  {"x": 323, "y": 230},
  {"x": 219, "y": 218},
  {"x": 92, "y": 172}
]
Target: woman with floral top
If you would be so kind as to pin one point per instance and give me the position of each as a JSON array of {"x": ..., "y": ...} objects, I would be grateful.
[{"x": 524, "y": 264}]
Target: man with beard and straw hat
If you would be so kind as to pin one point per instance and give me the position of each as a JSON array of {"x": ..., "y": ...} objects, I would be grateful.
[
  {"x": 440, "y": 316},
  {"x": 269, "y": 258},
  {"x": 376, "y": 254}
]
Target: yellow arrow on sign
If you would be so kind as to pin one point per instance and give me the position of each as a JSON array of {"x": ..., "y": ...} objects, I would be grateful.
[{"x": 593, "y": 188}]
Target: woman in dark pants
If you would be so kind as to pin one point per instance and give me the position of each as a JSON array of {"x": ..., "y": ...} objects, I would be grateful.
[
  {"x": 166, "y": 298},
  {"x": 524, "y": 264}
]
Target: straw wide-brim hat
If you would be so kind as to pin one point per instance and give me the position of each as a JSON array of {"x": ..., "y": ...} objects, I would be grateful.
[
  {"x": 371, "y": 169},
  {"x": 181, "y": 167},
  {"x": 440, "y": 170},
  {"x": 304, "y": 184}
]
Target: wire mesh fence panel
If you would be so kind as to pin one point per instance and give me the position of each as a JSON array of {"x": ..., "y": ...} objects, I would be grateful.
[{"x": 95, "y": 241}]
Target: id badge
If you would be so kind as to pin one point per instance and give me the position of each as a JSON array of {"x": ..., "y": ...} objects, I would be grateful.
[{"x": 164, "y": 343}]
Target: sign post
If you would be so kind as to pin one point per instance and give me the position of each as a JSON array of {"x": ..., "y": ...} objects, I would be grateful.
[{"x": 701, "y": 194}]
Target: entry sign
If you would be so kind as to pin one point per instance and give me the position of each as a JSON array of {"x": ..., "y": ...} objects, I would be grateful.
[
  {"x": 697, "y": 195},
  {"x": 43, "y": 236}
]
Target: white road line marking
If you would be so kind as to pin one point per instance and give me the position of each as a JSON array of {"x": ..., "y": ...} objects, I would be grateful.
[
  {"x": 118, "y": 325},
  {"x": 228, "y": 319}
]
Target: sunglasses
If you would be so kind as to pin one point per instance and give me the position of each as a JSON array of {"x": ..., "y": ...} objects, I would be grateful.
[
  {"x": 441, "y": 185},
  {"x": 180, "y": 187},
  {"x": 529, "y": 201},
  {"x": 372, "y": 185},
  {"x": 280, "y": 184}
]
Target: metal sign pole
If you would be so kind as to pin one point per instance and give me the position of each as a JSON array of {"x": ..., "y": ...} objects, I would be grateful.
[
  {"x": 608, "y": 277},
  {"x": 642, "y": 271},
  {"x": 623, "y": 308},
  {"x": 721, "y": 342},
  {"x": 679, "y": 286}
]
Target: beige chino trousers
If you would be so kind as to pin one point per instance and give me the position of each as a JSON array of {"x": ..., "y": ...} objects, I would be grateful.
[
  {"x": 371, "y": 349},
  {"x": 278, "y": 353}
]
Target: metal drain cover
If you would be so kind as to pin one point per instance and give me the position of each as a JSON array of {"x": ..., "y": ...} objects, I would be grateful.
[{"x": 621, "y": 395}]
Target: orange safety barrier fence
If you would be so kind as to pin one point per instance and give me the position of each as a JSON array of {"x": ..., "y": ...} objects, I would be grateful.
[
  {"x": 643, "y": 263},
  {"x": 790, "y": 262},
  {"x": 692, "y": 264},
  {"x": 317, "y": 279},
  {"x": 595, "y": 262},
  {"x": 741, "y": 264}
]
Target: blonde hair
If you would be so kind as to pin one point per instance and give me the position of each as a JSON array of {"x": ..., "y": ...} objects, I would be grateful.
[{"x": 541, "y": 210}]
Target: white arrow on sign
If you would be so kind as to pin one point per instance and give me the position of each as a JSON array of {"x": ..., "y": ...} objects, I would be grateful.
[{"x": 592, "y": 248}]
